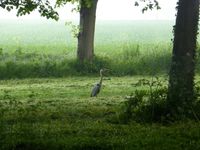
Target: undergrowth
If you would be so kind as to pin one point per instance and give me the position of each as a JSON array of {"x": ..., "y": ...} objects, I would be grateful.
[
  {"x": 150, "y": 105},
  {"x": 130, "y": 60}
]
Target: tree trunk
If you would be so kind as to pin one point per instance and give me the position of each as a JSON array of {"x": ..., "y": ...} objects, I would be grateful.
[
  {"x": 87, "y": 28},
  {"x": 181, "y": 77}
]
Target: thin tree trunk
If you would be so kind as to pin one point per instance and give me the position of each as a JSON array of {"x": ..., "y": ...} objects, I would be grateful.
[
  {"x": 181, "y": 77},
  {"x": 87, "y": 29}
]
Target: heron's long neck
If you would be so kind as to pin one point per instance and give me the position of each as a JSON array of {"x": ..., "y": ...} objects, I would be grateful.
[{"x": 100, "y": 82}]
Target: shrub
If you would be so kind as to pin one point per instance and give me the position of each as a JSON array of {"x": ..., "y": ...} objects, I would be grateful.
[
  {"x": 146, "y": 105},
  {"x": 150, "y": 105}
]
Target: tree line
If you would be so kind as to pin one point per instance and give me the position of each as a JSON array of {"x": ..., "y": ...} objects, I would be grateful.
[{"x": 181, "y": 75}]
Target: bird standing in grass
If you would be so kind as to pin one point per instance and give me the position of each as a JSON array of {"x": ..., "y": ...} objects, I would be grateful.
[{"x": 96, "y": 89}]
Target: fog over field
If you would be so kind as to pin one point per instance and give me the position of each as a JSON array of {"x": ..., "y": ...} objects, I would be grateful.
[{"x": 110, "y": 10}]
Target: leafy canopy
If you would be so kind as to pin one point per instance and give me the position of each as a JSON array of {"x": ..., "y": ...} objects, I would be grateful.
[
  {"x": 27, "y": 6},
  {"x": 43, "y": 6},
  {"x": 47, "y": 10},
  {"x": 148, "y": 4}
]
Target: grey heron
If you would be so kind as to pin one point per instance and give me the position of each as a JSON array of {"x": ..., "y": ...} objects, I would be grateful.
[{"x": 96, "y": 89}]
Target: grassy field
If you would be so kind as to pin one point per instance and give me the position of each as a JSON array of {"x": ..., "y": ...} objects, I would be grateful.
[
  {"x": 44, "y": 91},
  {"x": 59, "y": 114},
  {"x": 46, "y": 49},
  {"x": 54, "y": 37},
  {"x": 110, "y": 36}
]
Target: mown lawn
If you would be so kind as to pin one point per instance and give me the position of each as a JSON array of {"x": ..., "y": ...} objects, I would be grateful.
[{"x": 57, "y": 114}]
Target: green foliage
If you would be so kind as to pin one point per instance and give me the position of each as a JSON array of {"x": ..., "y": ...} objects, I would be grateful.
[
  {"x": 81, "y": 3},
  {"x": 20, "y": 64},
  {"x": 88, "y": 67},
  {"x": 150, "y": 104},
  {"x": 75, "y": 29},
  {"x": 63, "y": 2},
  {"x": 27, "y": 6},
  {"x": 147, "y": 105},
  {"x": 86, "y": 3},
  {"x": 148, "y": 4},
  {"x": 1, "y": 51}
]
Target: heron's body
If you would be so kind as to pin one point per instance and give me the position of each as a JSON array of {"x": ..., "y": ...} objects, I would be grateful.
[{"x": 96, "y": 89}]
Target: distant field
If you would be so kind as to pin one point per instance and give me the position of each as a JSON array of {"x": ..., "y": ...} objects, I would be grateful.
[
  {"x": 51, "y": 36},
  {"x": 47, "y": 49}
]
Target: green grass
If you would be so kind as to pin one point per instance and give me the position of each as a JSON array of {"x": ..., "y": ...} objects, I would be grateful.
[
  {"x": 46, "y": 49},
  {"x": 110, "y": 36},
  {"x": 59, "y": 114},
  {"x": 48, "y": 35}
]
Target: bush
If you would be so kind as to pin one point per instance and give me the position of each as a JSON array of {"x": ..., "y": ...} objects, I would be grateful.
[
  {"x": 87, "y": 67},
  {"x": 150, "y": 105},
  {"x": 146, "y": 105}
]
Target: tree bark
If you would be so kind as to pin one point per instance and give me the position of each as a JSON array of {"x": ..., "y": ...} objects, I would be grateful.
[
  {"x": 87, "y": 29},
  {"x": 181, "y": 77}
]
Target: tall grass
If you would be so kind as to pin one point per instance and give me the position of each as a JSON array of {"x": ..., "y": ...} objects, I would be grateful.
[
  {"x": 46, "y": 49},
  {"x": 129, "y": 61}
]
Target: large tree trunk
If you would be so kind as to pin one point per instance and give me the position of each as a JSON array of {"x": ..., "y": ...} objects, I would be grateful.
[
  {"x": 181, "y": 78},
  {"x": 87, "y": 28}
]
